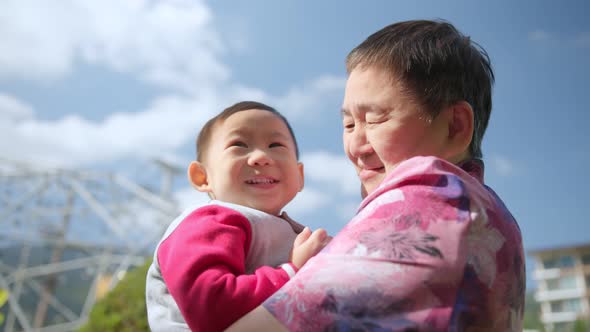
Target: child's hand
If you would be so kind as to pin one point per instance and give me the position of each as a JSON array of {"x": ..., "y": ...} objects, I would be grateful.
[{"x": 307, "y": 244}]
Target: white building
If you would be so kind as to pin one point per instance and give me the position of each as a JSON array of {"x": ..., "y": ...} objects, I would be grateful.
[{"x": 563, "y": 279}]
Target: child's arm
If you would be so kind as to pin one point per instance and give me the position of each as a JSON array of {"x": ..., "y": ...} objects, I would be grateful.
[{"x": 202, "y": 263}]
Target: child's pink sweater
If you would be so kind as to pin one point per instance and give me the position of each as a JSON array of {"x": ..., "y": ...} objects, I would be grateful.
[{"x": 215, "y": 264}]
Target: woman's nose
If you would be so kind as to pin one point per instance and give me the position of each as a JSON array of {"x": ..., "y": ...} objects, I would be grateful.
[{"x": 358, "y": 144}]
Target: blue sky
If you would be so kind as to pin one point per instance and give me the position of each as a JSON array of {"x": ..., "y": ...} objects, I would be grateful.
[{"x": 114, "y": 84}]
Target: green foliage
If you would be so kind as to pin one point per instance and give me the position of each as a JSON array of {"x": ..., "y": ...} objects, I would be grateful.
[
  {"x": 581, "y": 326},
  {"x": 3, "y": 300},
  {"x": 532, "y": 313},
  {"x": 122, "y": 309}
]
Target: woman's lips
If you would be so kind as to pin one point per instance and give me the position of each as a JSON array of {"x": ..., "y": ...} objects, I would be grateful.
[{"x": 367, "y": 173}]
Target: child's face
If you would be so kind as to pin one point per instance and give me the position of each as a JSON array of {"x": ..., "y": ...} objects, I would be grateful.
[
  {"x": 383, "y": 126},
  {"x": 251, "y": 161}
]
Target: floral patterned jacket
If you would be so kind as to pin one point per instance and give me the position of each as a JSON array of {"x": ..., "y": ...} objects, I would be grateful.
[{"x": 431, "y": 249}]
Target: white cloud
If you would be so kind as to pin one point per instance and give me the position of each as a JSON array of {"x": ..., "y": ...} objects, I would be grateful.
[
  {"x": 189, "y": 197},
  {"x": 168, "y": 43},
  {"x": 331, "y": 170},
  {"x": 307, "y": 201},
  {"x": 503, "y": 165},
  {"x": 300, "y": 102},
  {"x": 167, "y": 124},
  {"x": 37, "y": 40},
  {"x": 306, "y": 101},
  {"x": 14, "y": 110},
  {"x": 347, "y": 209},
  {"x": 237, "y": 32},
  {"x": 582, "y": 40},
  {"x": 15, "y": 113},
  {"x": 539, "y": 35}
]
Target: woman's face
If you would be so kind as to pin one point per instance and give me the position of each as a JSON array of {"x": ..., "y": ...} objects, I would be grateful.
[{"x": 383, "y": 126}]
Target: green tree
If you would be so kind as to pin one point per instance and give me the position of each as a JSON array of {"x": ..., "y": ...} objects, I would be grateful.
[
  {"x": 532, "y": 313},
  {"x": 581, "y": 326},
  {"x": 122, "y": 309},
  {"x": 3, "y": 300}
]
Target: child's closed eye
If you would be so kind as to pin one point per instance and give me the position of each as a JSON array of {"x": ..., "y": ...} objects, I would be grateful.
[
  {"x": 275, "y": 145},
  {"x": 238, "y": 144}
]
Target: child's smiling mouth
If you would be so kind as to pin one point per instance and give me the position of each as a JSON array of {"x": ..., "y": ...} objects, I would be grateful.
[{"x": 262, "y": 180}]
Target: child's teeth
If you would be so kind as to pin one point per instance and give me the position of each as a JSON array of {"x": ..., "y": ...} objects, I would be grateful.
[{"x": 261, "y": 181}]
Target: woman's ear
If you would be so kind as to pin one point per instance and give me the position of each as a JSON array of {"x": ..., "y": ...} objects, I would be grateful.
[
  {"x": 301, "y": 176},
  {"x": 460, "y": 129},
  {"x": 197, "y": 176}
]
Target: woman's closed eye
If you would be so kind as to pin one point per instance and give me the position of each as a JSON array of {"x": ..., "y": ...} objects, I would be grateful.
[
  {"x": 374, "y": 122},
  {"x": 373, "y": 118}
]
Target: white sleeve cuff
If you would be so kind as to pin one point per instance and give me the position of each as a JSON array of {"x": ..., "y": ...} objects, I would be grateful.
[{"x": 289, "y": 269}]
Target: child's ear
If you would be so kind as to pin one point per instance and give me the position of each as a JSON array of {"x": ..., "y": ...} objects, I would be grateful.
[
  {"x": 301, "y": 176},
  {"x": 460, "y": 126},
  {"x": 197, "y": 176}
]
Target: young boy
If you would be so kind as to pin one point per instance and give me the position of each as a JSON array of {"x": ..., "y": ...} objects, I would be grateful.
[{"x": 217, "y": 262}]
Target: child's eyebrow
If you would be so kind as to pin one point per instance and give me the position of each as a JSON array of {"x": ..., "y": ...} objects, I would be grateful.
[
  {"x": 236, "y": 132},
  {"x": 247, "y": 133},
  {"x": 279, "y": 135}
]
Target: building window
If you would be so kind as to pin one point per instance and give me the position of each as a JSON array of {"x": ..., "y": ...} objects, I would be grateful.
[
  {"x": 570, "y": 305},
  {"x": 567, "y": 282},
  {"x": 561, "y": 262}
]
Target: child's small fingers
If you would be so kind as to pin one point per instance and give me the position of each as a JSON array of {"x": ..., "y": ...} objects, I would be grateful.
[
  {"x": 302, "y": 237},
  {"x": 306, "y": 231},
  {"x": 320, "y": 234},
  {"x": 317, "y": 238}
]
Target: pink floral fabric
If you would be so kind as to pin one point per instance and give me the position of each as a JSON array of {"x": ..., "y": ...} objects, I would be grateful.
[{"x": 431, "y": 249}]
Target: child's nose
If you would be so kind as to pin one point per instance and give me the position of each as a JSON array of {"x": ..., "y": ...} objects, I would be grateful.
[{"x": 259, "y": 158}]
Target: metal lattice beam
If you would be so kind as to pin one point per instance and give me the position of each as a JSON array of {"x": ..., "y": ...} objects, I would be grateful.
[{"x": 58, "y": 224}]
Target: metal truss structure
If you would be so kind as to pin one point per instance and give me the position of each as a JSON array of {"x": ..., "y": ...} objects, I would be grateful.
[{"x": 67, "y": 236}]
